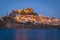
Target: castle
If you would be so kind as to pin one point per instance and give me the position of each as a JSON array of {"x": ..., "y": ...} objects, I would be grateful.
[{"x": 28, "y": 16}]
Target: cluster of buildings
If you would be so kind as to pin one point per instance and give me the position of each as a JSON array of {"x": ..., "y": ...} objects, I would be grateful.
[
  {"x": 30, "y": 17},
  {"x": 36, "y": 19}
]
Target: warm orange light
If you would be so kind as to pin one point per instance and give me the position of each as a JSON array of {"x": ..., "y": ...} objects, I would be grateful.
[
  {"x": 19, "y": 11},
  {"x": 34, "y": 18}
]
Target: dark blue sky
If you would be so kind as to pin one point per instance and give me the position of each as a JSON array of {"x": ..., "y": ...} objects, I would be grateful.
[{"x": 45, "y": 7}]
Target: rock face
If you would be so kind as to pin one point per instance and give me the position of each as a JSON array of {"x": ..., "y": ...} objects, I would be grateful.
[{"x": 27, "y": 18}]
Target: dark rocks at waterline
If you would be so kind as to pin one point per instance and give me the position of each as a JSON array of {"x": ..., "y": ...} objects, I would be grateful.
[{"x": 15, "y": 25}]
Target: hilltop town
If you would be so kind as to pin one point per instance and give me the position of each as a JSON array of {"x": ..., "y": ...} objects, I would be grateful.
[{"x": 27, "y": 18}]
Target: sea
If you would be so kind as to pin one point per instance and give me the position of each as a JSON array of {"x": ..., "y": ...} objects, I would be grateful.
[{"x": 29, "y": 34}]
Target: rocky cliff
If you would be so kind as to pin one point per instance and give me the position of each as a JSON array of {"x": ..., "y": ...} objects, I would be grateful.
[{"x": 27, "y": 18}]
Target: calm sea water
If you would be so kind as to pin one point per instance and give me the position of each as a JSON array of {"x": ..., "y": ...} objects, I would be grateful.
[{"x": 29, "y": 34}]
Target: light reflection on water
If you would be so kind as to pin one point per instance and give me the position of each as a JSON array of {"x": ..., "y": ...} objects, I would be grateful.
[{"x": 29, "y": 34}]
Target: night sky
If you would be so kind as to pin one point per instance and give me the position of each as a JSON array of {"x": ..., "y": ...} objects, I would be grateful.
[{"x": 45, "y": 7}]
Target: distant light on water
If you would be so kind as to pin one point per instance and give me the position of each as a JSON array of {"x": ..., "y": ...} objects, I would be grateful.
[
  {"x": 21, "y": 34},
  {"x": 37, "y": 34}
]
